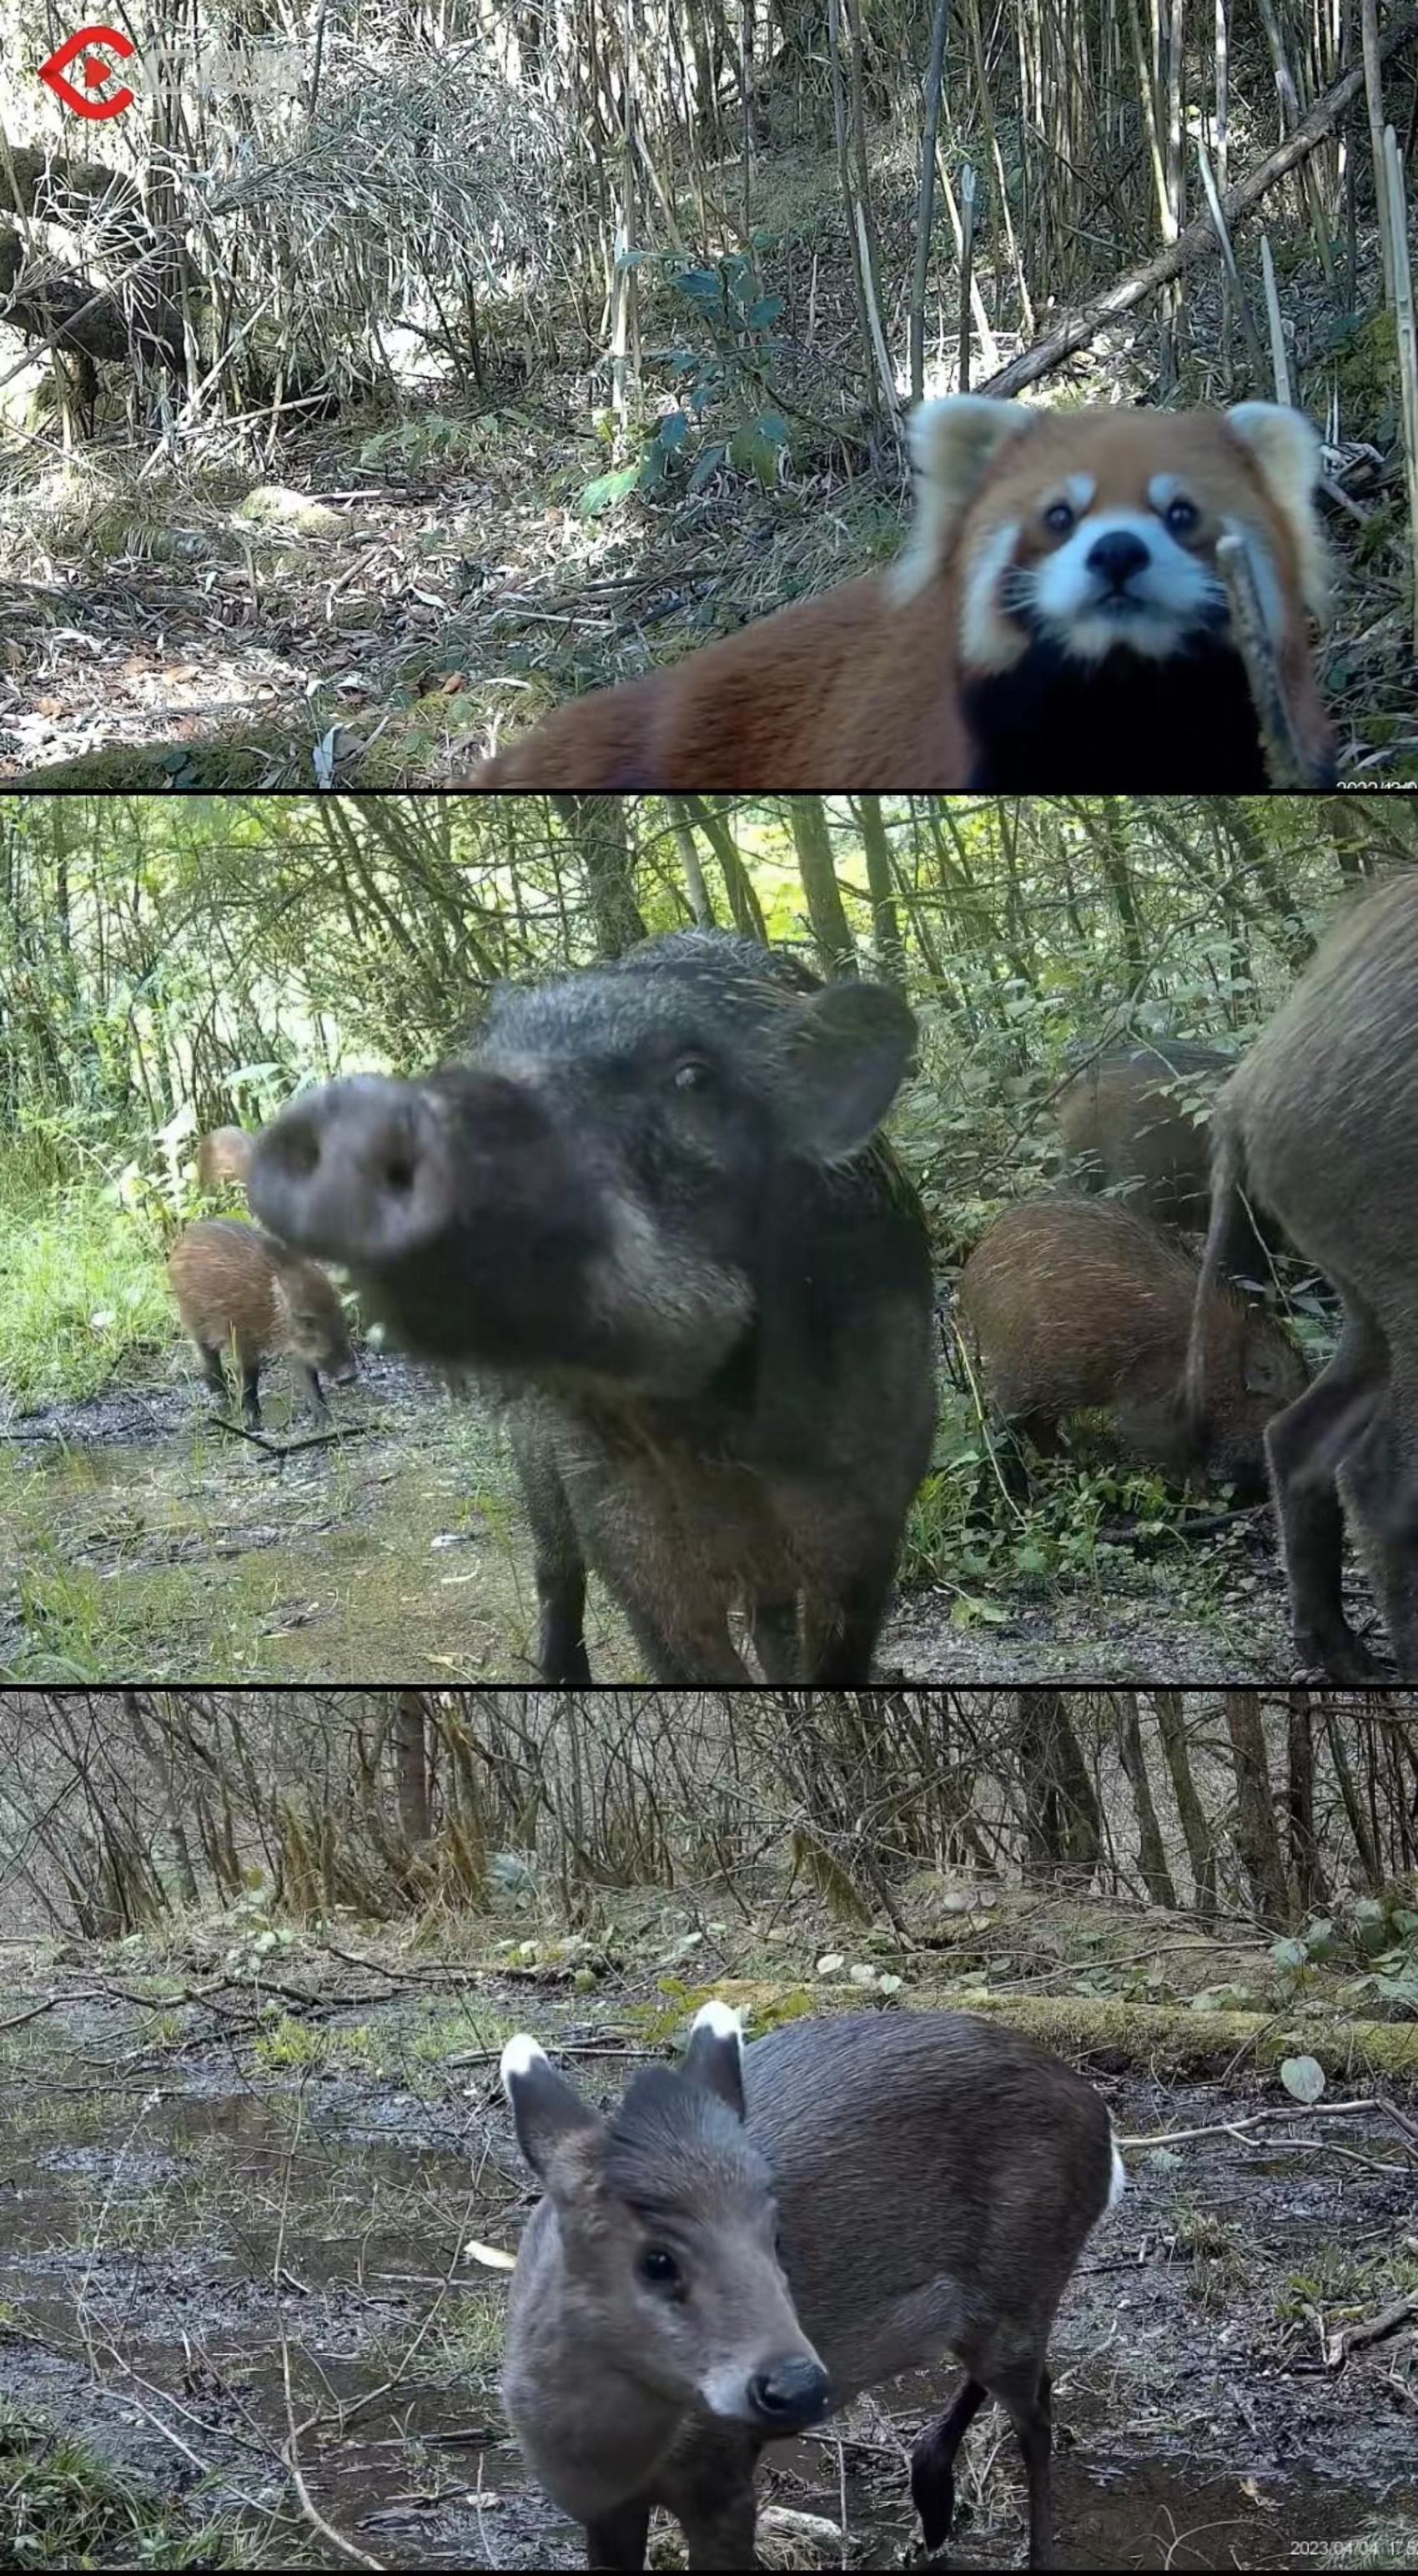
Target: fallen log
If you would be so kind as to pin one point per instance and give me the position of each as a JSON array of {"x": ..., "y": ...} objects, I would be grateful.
[{"x": 1199, "y": 241}]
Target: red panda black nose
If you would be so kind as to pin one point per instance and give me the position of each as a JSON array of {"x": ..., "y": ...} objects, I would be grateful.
[{"x": 1117, "y": 556}]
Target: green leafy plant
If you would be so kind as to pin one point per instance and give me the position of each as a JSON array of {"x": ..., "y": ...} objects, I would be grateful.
[
  {"x": 724, "y": 415},
  {"x": 1381, "y": 1931},
  {"x": 406, "y": 452}
]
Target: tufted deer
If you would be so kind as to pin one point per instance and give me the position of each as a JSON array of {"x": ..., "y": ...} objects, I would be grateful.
[{"x": 759, "y": 2235}]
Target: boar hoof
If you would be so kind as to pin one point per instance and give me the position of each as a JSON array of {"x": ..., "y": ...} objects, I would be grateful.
[{"x": 1340, "y": 1655}]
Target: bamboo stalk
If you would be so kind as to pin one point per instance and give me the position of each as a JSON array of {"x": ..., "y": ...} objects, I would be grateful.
[{"x": 1391, "y": 179}]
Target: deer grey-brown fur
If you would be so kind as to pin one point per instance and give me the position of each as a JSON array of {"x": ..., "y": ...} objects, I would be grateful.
[{"x": 765, "y": 2233}]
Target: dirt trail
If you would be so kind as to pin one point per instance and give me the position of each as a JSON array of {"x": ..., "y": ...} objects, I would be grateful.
[{"x": 135, "y": 1536}]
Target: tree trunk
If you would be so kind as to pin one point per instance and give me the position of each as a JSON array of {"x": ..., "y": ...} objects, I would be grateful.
[
  {"x": 1358, "y": 1821},
  {"x": 597, "y": 824},
  {"x": 153, "y": 1744},
  {"x": 1306, "y": 1866},
  {"x": 738, "y": 885},
  {"x": 1171, "y": 1726},
  {"x": 1257, "y": 1839},
  {"x": 825, "y": 908},
  {"x": 411, "y": 1758},
  {"x": 1062, "y": 1824},
  {"x": 1154, "y": 1859},
  {"x": 885, "y": 927},
  {"x": 695, "y": 888}
]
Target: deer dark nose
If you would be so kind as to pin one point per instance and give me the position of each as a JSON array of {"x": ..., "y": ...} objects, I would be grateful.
[
  {"x": 1117, "y": 556},
  {"x": 790, "y": 2394}
]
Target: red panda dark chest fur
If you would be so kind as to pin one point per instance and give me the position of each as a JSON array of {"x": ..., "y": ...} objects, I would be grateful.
[{"x": 1051, "y": 725}]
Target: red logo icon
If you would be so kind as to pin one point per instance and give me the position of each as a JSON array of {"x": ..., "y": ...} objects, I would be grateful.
[{"x": 94, "y": 73}]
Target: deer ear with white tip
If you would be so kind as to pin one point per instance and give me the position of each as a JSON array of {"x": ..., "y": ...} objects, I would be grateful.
[
  {"x": 560, "y": 2136},
  {"x": 714, "y": 2057}
]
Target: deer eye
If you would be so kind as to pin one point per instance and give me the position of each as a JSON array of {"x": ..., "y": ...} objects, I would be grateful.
[{"x": 659, "y": 2268}]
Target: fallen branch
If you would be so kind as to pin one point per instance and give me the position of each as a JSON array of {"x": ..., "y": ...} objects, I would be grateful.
[
  {"x": 1286, "y": 2110},
  {"x": 1338, "y": 2347},
  {"x": 1284, "y": 757},
  {"x": 308, "y": 1439},
  {"x": 34, "y": 2011},
  {"x": 1199, "y": 239}
]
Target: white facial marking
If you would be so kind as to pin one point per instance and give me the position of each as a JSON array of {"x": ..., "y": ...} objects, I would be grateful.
[
  {"x": 988, "y": 641},
  {"x": 720, "y": 2018},
  {"x": 1163, "y": 602},
  {"x": 519, "y": 2057},
  {"x": 1077, "y": 490},
  {"x": 1164, "y": 489},
  {"x": 725, "y": 2392}
]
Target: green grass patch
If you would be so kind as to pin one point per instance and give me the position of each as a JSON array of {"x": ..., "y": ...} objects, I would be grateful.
[
  {"x": 466, "y": 2342},
  {"x": 82, "y": 1291},
  {"x": 443, "y": 2030},
  {"x": 291, "y": 2043},
  {"x": 1085, "y": 1528},
  {"x": 63, "y": 2505}
]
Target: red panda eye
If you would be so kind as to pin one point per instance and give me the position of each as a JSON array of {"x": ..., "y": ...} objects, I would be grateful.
[
  {"x": 1182, "y": 517},
  {"x": 1058, "y": 518}
]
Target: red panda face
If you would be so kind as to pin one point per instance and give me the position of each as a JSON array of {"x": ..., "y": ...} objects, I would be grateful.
[
  {"x": 1084, "y": 531},
  {"x": 1086, "y": 573}
]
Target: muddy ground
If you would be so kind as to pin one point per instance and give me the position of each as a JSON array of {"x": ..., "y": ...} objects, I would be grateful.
[
  {"x": 138, "y": 1538},
  {"x": 205, "y": 2187}
]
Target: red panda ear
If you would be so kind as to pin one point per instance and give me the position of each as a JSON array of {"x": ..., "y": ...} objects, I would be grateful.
[
  {"x": 952, "y": 443},
  {"x": 1286, "y": 448}
]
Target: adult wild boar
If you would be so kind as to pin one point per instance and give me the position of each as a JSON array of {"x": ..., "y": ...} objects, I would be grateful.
[
  {"x": 1319, "y": 1124},
  {"x": 653, "y": 1209}
]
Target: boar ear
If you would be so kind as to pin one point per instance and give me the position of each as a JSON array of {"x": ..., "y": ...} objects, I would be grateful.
[
  {"x": 714, "y": 2057},
  {"x": 953, "y": 443},
  {"x": 1286, "y": 450},
  {"x": 850, "y": 1052},
  {"x": 560, "y": 2136}
]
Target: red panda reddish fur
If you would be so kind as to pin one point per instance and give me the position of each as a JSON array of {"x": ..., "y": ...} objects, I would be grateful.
[{"x": 918, "y": 676}]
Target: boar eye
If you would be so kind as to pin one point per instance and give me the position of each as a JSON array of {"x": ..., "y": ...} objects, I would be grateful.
[
  {"x": 659, "y": 2268},
  {"x": 1059, "y": 518},
  {"x": 1181, "y": 517},
  {"x": 692, "y": 1074}
]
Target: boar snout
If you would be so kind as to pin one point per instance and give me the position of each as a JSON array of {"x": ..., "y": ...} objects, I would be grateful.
[{"x": 359, "y": 1171}]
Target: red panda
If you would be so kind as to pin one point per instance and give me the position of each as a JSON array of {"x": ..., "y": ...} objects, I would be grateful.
[{"x": 1055, "y": 623}]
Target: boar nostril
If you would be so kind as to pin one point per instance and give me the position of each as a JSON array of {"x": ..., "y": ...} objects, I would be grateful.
[{"x": 300, "y": 1152}]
